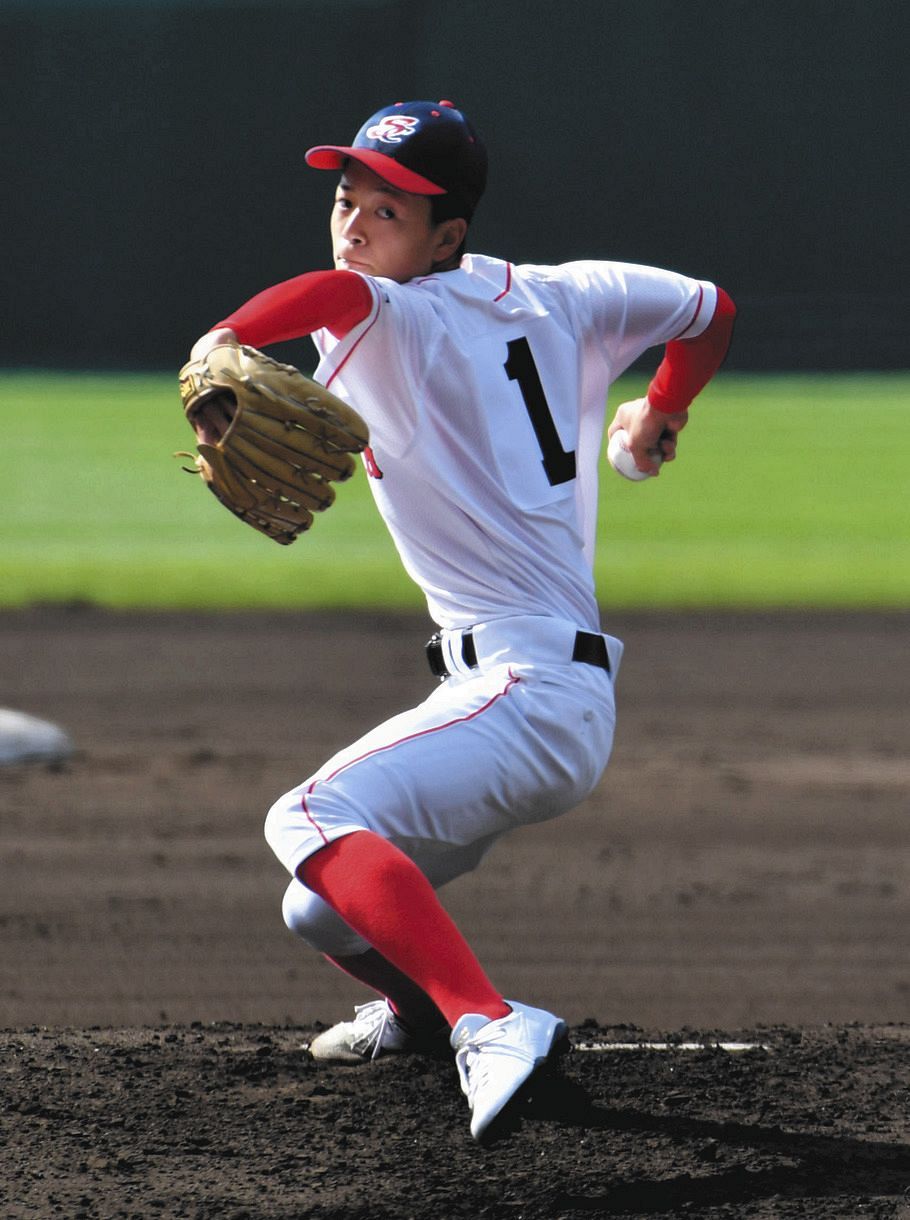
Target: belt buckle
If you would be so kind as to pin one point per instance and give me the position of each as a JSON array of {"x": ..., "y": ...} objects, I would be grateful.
[
  {"x": 591, "y": 649},
  {"x": 434, "y": 656}
]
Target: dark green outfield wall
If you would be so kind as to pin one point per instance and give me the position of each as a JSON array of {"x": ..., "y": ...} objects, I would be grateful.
[{"x": 153, "y": 172}]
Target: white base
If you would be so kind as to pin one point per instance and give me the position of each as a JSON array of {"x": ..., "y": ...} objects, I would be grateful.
[
  {"x": 25, "y": 738},
  {"x": 671, "y": 1046}
]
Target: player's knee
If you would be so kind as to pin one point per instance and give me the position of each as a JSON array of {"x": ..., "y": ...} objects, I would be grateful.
[
  {"x": 294, "y": 831},
  {"x": 314, "y": 921}
]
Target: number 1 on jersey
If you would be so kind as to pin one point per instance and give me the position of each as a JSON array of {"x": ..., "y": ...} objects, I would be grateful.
[{"x": 557, "y": 463}]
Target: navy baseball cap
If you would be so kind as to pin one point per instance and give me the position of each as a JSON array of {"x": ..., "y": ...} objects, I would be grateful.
[{"x": 423, "y": 148}]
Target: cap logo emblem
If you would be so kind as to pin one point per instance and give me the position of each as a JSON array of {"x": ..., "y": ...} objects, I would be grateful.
[{"x": 393, "y": 128}]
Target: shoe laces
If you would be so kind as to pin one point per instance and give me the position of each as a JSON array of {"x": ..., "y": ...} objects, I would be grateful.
[
  {"x": 374, "y": 1017},
  {"x": 478, "y": 1058}
]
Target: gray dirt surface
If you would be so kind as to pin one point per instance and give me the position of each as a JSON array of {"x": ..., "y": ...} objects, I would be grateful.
[{"x": 740, "y": 873}]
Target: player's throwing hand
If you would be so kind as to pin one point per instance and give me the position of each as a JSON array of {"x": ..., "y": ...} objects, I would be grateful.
[{"x": 649, "y": 432}]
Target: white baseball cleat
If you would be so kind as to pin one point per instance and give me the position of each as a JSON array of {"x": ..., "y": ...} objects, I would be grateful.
[
  {"x": 496, "y": 1058},
  {"x": 375, "y": 1031}
]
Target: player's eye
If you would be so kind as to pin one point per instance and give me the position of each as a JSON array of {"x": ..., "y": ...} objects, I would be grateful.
[{"x": 386, "y": 213}]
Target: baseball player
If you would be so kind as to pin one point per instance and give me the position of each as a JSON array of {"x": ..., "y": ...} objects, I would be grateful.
[{"x": 484, "y": 387}]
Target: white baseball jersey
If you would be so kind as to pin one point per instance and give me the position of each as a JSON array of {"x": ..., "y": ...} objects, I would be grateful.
[{"x": 485, "y": 391}]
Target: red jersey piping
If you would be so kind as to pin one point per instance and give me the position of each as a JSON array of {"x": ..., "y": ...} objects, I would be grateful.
[
  {"x": 508, "y": 287},
  {"x": 698, "y": 304},
  {"x": 357, "y": 341}
]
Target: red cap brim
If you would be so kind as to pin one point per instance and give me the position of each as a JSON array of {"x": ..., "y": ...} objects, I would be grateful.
[{"x": 333, "y": 156}]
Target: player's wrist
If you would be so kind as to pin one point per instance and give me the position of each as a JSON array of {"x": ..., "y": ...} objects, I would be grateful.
[{"x": 664, "y": 404}]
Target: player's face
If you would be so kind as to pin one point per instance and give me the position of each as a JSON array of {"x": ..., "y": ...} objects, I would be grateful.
[{"x": 381, "y": 231}]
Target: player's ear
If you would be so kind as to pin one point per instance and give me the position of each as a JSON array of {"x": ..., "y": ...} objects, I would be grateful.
[{"x": 449, "y": 236}]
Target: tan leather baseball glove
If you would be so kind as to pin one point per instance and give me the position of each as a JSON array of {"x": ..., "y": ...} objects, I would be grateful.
[{"x": 271, "y": 440}]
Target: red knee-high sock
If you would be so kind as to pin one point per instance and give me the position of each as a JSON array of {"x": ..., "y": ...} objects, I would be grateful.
[
  {"x": 409, "y": 1001},
  {"x": 388, "y": 901}
]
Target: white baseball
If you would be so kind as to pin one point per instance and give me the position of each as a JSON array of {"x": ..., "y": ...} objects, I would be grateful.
[{"x": 620, "y": 457}]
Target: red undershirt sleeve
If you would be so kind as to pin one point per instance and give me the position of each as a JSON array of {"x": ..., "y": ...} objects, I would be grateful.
[
  {"x": 336, "y": 300},
  {"x": 689, "y": 364}
]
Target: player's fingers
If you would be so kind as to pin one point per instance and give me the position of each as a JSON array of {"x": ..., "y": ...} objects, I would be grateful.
[
  {"x": 667, "y": 445},
  {"x": 646, "y": 457}
]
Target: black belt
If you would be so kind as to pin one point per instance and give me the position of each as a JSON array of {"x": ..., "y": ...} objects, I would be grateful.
[{"x": 590, "y": 649}]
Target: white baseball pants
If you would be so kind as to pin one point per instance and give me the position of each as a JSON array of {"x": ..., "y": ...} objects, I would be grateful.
[{"x": 522, "y": 738}]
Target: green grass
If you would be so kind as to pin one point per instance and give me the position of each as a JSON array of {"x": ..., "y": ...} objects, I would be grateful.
[{"x": 790, "y": 491}]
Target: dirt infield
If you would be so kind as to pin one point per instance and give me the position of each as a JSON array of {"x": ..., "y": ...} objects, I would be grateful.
[{"x": 741, "y": 872}]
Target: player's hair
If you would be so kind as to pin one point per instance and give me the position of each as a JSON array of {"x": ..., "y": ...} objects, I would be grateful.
[{"x": 450, "y": 207}]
